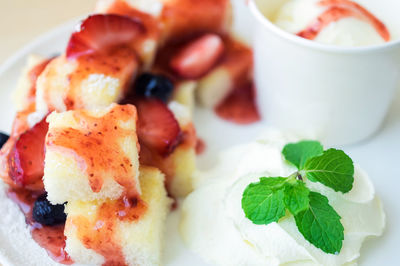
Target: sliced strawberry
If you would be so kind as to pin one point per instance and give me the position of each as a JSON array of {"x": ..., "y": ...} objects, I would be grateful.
[
  {"x": 198, "y": 57},
  {"x": 100, "y": 33},
  {"x": 157, "y": 129},
  {"x": 26, "y": 159}
]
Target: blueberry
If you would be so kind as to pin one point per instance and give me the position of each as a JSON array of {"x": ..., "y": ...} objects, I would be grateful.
[
  {"x": 154, "y": 86},
  {"x": 46, "y": 213},
  {"x": 3, "y": 139}
]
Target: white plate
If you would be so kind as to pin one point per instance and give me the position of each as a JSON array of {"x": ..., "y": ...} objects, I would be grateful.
[{"x": 380, "y": 157}]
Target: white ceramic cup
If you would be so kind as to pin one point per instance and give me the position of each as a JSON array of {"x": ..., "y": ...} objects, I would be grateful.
[{"x": 339, "y": 95}]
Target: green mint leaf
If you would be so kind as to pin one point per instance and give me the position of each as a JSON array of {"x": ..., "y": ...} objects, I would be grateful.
[
  {"x": 296, "y": 197},
  {"x": 298, "y": 153},
  {"x": 262, "y": 202},
  {"x": 320, "y": 224},
  {"x": 333, "y": 169}
]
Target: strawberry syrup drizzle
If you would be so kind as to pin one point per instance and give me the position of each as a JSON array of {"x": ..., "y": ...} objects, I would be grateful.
[
  {"x": 97, "y": 146},
  {"x": 340, "y": 9},
  {"x": 100, "y": 235},
  {"x": 51, "y": 238},
  {"x": 200, "y": 146},
  {"x": 240, "y": 107}
]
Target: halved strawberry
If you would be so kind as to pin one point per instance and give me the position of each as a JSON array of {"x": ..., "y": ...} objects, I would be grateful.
[
  {"x": 198, "y": 57},
  {"x": 99, "y": 33},
  {"x": 26, "y": 159},
  {"x": 157, "y": 128}
]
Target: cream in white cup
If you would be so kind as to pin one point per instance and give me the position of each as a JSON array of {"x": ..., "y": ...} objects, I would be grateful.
[{"x": 340, "y": 95}]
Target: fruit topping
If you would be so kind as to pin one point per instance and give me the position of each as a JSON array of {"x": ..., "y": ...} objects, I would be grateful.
[
  {"x": 154, "y": 86},
  {"x": 102, "y": 33},
  {"x": 240, "y": 106},
  {"x": 46, "y": 213},
  {"x": 3, "y": 139},
  {"x": 26, "y": 160},
  {"x": 198, "y": 57},
  {"x": 157, "y": 129}
]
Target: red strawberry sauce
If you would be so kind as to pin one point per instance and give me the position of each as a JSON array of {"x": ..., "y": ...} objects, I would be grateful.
[
  {"x": 340, "y": 9},
  {"x": 50, "y": 238}
]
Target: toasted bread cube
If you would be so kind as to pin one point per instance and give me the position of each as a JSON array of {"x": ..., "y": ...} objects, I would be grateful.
[
  {"x": 214, "y": 87},
  {"x": 184, "y": 161},
  {"x": 185, "y": 94},
  {"x": 92, "y": 155},
  {"x": 68, "y": 84},
  {"x": 181, "y": 164},
  {"x": 22, "y": 94},
  {"x": 139, "y": 241},
  {"x": 235, "y": 68}
]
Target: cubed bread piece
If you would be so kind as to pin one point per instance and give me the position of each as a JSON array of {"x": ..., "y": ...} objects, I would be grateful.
[
  {"x": 184, "y": 161},
  {"x": 92, "y": 155},
  {"x": 89, "y": 83},
  {"x": 214, "y": 87},
  {"x": 181, "y": 164},
  {"x": 184, "y": 94},
  {"x": 235, "y": 69},
  {"x": 25, "y": 92},
  {"x": 95, "y": 239}
]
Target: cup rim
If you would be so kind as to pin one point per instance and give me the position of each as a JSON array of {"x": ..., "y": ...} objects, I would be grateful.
[{"x": 313, "y": 44}]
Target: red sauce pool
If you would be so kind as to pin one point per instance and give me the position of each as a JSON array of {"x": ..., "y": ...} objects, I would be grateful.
[
  {"x": 340, "y": 9},
  {"x": 51, "y": 238},
  {"x": 200, "y": 146},
  {"x": 240, "y": 107}
]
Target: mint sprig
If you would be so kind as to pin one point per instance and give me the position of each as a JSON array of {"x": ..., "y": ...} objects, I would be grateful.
[
  {"x": 320, "y": 224},
  {"x": 266, "y": 201},
  {"x": 298, "y": 153},
  {"x": 263, "y": 200},
  {"x": 296, "y": 197},
  {"x": 333, "y": 168}
]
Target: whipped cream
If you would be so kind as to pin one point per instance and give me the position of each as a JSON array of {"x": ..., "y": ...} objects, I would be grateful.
[
  {"x": 297, "y": 15},
  {"x": 214, "y": 225}
]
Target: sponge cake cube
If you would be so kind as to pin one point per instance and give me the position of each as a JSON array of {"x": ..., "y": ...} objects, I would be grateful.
[
  {"x": 92, "y": 155},
  {"x": 139, "y": 241}
]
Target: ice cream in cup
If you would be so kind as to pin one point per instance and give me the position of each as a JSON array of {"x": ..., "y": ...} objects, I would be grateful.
[{"x": 327, "y": 68}]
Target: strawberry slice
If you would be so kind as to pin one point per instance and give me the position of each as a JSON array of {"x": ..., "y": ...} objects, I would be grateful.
[
  {"x": 198, "y": 57},
  {"x": 157, "y": 129},
  {"x": 26, "y": 160},
  {"x": 100, "y": 33}
]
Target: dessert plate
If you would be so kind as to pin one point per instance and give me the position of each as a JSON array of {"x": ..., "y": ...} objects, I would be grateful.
[{"x": 379, "y": 156}]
